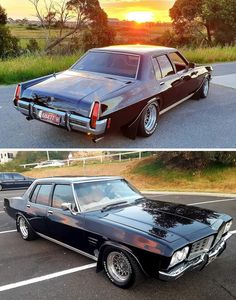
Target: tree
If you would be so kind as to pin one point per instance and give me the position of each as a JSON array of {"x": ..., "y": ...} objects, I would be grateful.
[
  {"x": 3, "y": 16},
  {"x": 86, "y": 14},
  {"x": 8, "y": 44},
  {"x": 212, "y": 19}
]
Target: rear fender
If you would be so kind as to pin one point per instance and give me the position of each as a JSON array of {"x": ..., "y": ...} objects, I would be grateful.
[{"x": 131, "y": 131}]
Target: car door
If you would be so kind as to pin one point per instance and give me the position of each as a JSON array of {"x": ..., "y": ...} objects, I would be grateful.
[
  {"x": 65, "y": 226},
  {"x": 37, "y": 207},
  {"x": 8, "y": 180},
  {"x": 170, "y": 82},
  {"x": 189, "y": 76},
  {"x": 19, "y": 180}
]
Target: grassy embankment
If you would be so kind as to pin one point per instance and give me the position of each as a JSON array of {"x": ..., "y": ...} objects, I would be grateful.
[{"x": 150, "y": 174}]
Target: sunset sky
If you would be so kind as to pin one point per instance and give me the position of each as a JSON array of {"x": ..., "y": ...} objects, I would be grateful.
[{"x": 148, "y": 10}]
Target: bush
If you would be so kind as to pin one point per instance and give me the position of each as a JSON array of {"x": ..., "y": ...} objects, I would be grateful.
[
  {"x": 33, "y": 46},
  {"x": 9, "y": 46}
]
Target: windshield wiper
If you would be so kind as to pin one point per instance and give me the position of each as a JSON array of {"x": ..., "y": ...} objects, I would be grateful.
[{"x": 109, "y": 206}]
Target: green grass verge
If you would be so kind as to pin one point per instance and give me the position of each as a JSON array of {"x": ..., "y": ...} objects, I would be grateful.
[{"x": 29, "y": 67}]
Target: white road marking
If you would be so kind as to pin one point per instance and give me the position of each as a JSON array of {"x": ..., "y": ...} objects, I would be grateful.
[
  {"x": 45, "y": 277},
  {"x": 223, "y": 195},
  {"x": 213, "y": 201},
  {"x": 2, "y": 211},
  {"x": 233, "y": 232},
  {"x": 8, "y": 231}
]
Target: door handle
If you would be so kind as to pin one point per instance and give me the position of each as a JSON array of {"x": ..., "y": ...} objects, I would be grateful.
[
  {"x": 28, "y": 205},
  {"x": 162, "y": 83},
  {"x": 50, "y": 212},
  {"x": 194, "y": 73}
]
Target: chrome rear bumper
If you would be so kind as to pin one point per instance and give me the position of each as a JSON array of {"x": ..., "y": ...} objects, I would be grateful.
[
  {"x": 69, "y": 121},
  {"x": 196, "y": 263}
]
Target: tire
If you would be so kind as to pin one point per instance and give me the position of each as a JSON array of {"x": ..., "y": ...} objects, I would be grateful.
[
  {"x": 121, "y": 268},
  {"x": 204, "y": 90},
  {"x": 26, "y": 231},
  {"x": 149, "y": 120}
]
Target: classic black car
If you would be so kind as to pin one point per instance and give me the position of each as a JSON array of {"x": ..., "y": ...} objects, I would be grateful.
[
  {"x": 14, "y": 181},
  {"x": 108, "y": 220},
  {"x": 125, "y": 87}
]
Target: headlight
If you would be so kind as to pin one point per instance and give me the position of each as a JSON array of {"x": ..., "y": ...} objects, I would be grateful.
[
  {"x": 179, "y": 256},
  {"x": 227, "y": 226}
]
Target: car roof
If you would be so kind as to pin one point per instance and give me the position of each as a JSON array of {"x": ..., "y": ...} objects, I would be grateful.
[
  {"x": 137, "y": 49},
  {"x": 68, "y": 179}
]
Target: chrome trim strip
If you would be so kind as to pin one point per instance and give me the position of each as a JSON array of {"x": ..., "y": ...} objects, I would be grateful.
[
  {"x": 67, "y": 246},
  {"x": 175, "y": 104}
]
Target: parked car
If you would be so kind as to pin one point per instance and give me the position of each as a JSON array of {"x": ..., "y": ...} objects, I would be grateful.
[
  {"x": 14, "y": 181},
  {"x": 108, "y": 220},
  {"x": 50, "y": 164},
  {"x": 125, "y": 87}
]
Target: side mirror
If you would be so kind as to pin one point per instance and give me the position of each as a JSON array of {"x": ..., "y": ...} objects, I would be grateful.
[
  {"x": 191, "y": 65},
  {"x": 69, "y": 206},
  {"x": 66, "y": 206}
]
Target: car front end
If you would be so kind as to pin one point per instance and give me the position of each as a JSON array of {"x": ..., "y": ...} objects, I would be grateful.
[{"x": 198, "y": 254}]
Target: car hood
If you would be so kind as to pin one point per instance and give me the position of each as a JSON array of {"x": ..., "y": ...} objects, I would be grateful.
[
  {"x": 165, "y": 220},
  {"x": 74, "y": 91}
]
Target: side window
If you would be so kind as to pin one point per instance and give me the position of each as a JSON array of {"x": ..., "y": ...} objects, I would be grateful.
[
  {"x": 8, "y": 176},
  {"x": 178, "y": 61},
  {"x": 18, "y": 177},
  {"x": 35, "y": 194},
  {"x": 62, "y": 194},
  {"x": 157, "y": 69},
  {"x": 44, "y": 194},
  {"x": 1, "y": 176},
  {"x": 165, "y": 65}
]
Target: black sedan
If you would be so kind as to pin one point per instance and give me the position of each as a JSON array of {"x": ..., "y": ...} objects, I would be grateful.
[
  {"x": 14, "y": 181},
  {"x": 125, "y": 87},
  {"x": 108, "y": 220}
]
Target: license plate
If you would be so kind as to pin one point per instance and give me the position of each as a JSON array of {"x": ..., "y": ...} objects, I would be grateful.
[{"x": 49, "y": 117}]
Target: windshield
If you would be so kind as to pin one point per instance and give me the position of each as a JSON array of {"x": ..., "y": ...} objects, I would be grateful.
[
  {"x": 125, "y": 65},
  {"x": 96, "y": 195}
]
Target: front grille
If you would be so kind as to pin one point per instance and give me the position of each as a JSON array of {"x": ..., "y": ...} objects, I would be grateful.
[{"x": 200, "y": 246}]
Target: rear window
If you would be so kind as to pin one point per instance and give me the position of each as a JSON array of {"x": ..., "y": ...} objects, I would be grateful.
[
  {"x": 125, "y": 65},
  {"x": 18, "y": 177}
]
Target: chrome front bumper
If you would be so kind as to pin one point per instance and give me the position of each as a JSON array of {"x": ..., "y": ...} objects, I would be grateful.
[
  {"x": 69, "y": 121},
  {"x": 196, "y": 263}
]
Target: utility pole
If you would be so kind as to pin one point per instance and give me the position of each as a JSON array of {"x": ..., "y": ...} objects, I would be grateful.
[{"x": 48, "y": 155}]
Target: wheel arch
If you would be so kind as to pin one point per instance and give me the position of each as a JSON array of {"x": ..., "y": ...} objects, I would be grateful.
[{"x": 119, "y": 246}]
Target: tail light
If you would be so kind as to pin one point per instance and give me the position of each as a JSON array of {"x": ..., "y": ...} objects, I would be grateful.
[
  {"x": 18, "y": 92},
  {"x": 95, "y": 115}
]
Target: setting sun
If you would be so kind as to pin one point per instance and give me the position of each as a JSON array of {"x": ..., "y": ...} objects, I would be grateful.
[{"x": 140, "y": 16}]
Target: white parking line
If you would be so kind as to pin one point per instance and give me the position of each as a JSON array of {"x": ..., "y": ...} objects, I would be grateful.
[
  {"x": 7, "y": 231},
  {"x": 45, "y": 277},
  {"x": 2, "y": 211},
  {"x": 213, "y": 201},
  {"x": 233, "y": 232}
]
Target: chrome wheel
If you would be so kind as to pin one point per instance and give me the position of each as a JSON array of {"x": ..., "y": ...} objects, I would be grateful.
[
  {"x": 150, "y": 118},
  {"x": 206, "y": 88},
  {"x": 119, "y": 266},
  {"x": 23, "y": 228}
]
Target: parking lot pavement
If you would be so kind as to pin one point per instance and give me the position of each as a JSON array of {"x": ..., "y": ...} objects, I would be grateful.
[{"x": 20, "y": 261}]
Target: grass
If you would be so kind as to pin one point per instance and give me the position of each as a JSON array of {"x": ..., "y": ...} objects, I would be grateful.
[
  {"x": 150, "y": 174},
  {"x": 211, "y": 55},
  {"x": 29, "y": 67}
]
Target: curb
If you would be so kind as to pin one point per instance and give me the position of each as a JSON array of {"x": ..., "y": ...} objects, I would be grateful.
[{"x": 189, "y": 194}]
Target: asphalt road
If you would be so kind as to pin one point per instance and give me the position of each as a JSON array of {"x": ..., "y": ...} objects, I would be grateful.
[
  {"x": 20, "y": 260},
  {"x": 210, "y": 123}
]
